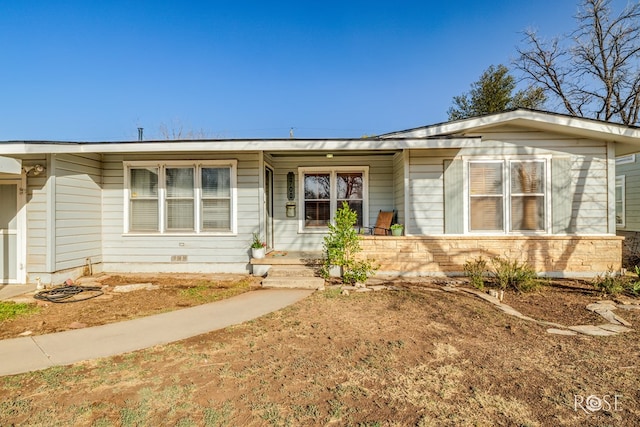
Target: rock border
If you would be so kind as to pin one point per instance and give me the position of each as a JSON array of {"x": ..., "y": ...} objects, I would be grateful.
[
  {"x": 604, "y": 308},
  {"x": 615, "y": 324}
]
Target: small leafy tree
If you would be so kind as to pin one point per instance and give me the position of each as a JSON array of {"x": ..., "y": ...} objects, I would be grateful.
[{"x": 341, "y": 245}]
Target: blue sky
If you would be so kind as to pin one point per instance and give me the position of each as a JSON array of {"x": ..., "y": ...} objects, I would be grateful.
[{"x": 93, "y": 71}]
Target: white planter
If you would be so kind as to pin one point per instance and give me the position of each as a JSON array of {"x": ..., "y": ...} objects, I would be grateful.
[
  {"x": 257, "y": 252},
  {"x": 396, "y": 231},
  {"x": 335, "y": 271}
]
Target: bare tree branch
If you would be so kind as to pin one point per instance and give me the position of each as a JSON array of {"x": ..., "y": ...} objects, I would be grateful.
[{"x": 593, "y": 72}]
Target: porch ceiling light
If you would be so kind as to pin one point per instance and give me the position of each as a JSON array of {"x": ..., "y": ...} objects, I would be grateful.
[
  {"x": 37, "y": 169},
  {"x": 329, "y": 155}
]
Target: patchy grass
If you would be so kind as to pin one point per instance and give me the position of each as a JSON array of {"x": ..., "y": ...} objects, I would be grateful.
[
  {"x": 417, "y": 357},
  {"x": 10, "y": 310},
  {"x": 210, "y": 291}
]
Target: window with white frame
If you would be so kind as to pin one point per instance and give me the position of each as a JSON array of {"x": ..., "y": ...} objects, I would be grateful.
[
  {"x": 323, "y": 191},
  {"x": 507, "y": 195},
  {"x": 180, "y": 197},
  {"x": 620, "y": 201},
  {"x": 621, "y": 160}
]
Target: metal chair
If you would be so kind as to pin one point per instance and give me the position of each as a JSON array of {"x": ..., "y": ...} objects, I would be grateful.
[{"x": 383, "y": 224}]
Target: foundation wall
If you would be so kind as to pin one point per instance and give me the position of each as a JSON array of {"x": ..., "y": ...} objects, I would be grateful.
[{"x": 556, "y": 256}]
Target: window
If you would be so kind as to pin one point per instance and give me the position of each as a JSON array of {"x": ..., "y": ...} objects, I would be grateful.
[
  {"x": 323, "y": 191},
  {"x": 527, "y": 195},
  {"x": 630, "y": 158},
  {"x": 176, "y": 197},
  {"x": 620, "y": 201},
  {"x": 350, "y": 189},
  {"x": 143, "y": 204},
  {"x": 486, "y": 196},
  {"x": 317, "y": 199},
  {"x": 507, "y": 195}
]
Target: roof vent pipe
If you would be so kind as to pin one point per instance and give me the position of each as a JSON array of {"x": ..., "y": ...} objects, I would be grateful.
[{"x": 140, "y": 134}]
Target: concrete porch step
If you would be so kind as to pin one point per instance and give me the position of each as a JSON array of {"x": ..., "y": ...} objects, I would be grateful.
[
  {"x": 293, "y": 282},
  {"x": 293, "y": 271}
]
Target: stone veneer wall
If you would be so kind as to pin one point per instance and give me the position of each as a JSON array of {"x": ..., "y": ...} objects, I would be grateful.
[
  {"x": 630, "y": 248},
  {"x": 557, "y": 256}
]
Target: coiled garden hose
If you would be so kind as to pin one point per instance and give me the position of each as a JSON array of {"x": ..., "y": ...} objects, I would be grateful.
[{"x": 64, "y": 293}]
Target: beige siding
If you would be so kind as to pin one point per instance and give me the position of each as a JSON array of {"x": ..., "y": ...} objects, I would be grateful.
[
  {"x": 426, "y": 191},
  {"x": 37, "y": 214},
  {"x": 155, "y": 251},
  {"x": 398, "y": 186},
  {"x": 381, "y": 194},
  {"x": 589, "y": 192},
  {"x": 78, "y": 210},
  {"x": 631, "y": 172}
]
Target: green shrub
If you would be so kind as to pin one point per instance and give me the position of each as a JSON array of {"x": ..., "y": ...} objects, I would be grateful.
[
  {"x": 614, "y": 283},
  {"x": 610, "y": 283},
  {"x": 511, "y": 274},
  {"x": 341, "y": 245},
  {"x": 476, "y": 271},
  {"x": 633, "y": 287}
]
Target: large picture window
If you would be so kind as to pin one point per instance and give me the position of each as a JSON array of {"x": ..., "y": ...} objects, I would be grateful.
[
  {"x": 507, "y": 195},
  {"x": 176, "y": 197},
  {"x": 324, "y": 190}
]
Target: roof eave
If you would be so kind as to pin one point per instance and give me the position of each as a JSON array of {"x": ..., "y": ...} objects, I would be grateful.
[
  {"x": 627, "y": 136},
  {"x": 17, "y": 148}
]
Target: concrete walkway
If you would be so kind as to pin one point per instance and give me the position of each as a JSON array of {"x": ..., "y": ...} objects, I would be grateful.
[{"x": 19, "y": 355}]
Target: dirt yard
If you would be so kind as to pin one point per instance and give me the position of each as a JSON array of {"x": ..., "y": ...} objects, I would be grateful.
[
  {"x": 170, "y": 293},
  {"x": 415, "y": 356}
]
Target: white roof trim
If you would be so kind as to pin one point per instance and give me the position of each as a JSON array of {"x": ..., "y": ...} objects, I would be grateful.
[
  {"x": 282, "y": 145},
  {"x": 10, "y": 165},
  {"x": 628, "y": 137}
]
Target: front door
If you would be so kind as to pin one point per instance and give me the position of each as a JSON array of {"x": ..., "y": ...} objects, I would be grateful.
[
  {"x": 268, "y": 200},
  {"x": 9, "y": 253}
]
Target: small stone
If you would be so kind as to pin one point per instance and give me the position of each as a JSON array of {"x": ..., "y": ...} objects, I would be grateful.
[
  {"x": 592, "y": 330},
  {"x": 344, "y": 292},
  {"x": 87, "y": 281},
  {"x": 25, "y": 334},
  {"x": 135, "y": 287},
  {"x": 614, "y": 328},
  {"x": 600, "y": 306},
  {"x": 77, "y": 325},
  {"x": 612, "y": 318},
  {"x": 561, "y": 332},
  {"x": 629, "y": 306}
]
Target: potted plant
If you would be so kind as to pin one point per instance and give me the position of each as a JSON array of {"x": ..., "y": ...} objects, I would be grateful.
[
  {"x": 258, "y": 246},
  {"x": 396, "y": 229}
]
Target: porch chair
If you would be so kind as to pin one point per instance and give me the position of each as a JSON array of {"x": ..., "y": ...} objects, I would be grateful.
[{"x": 383, "y": 224}]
